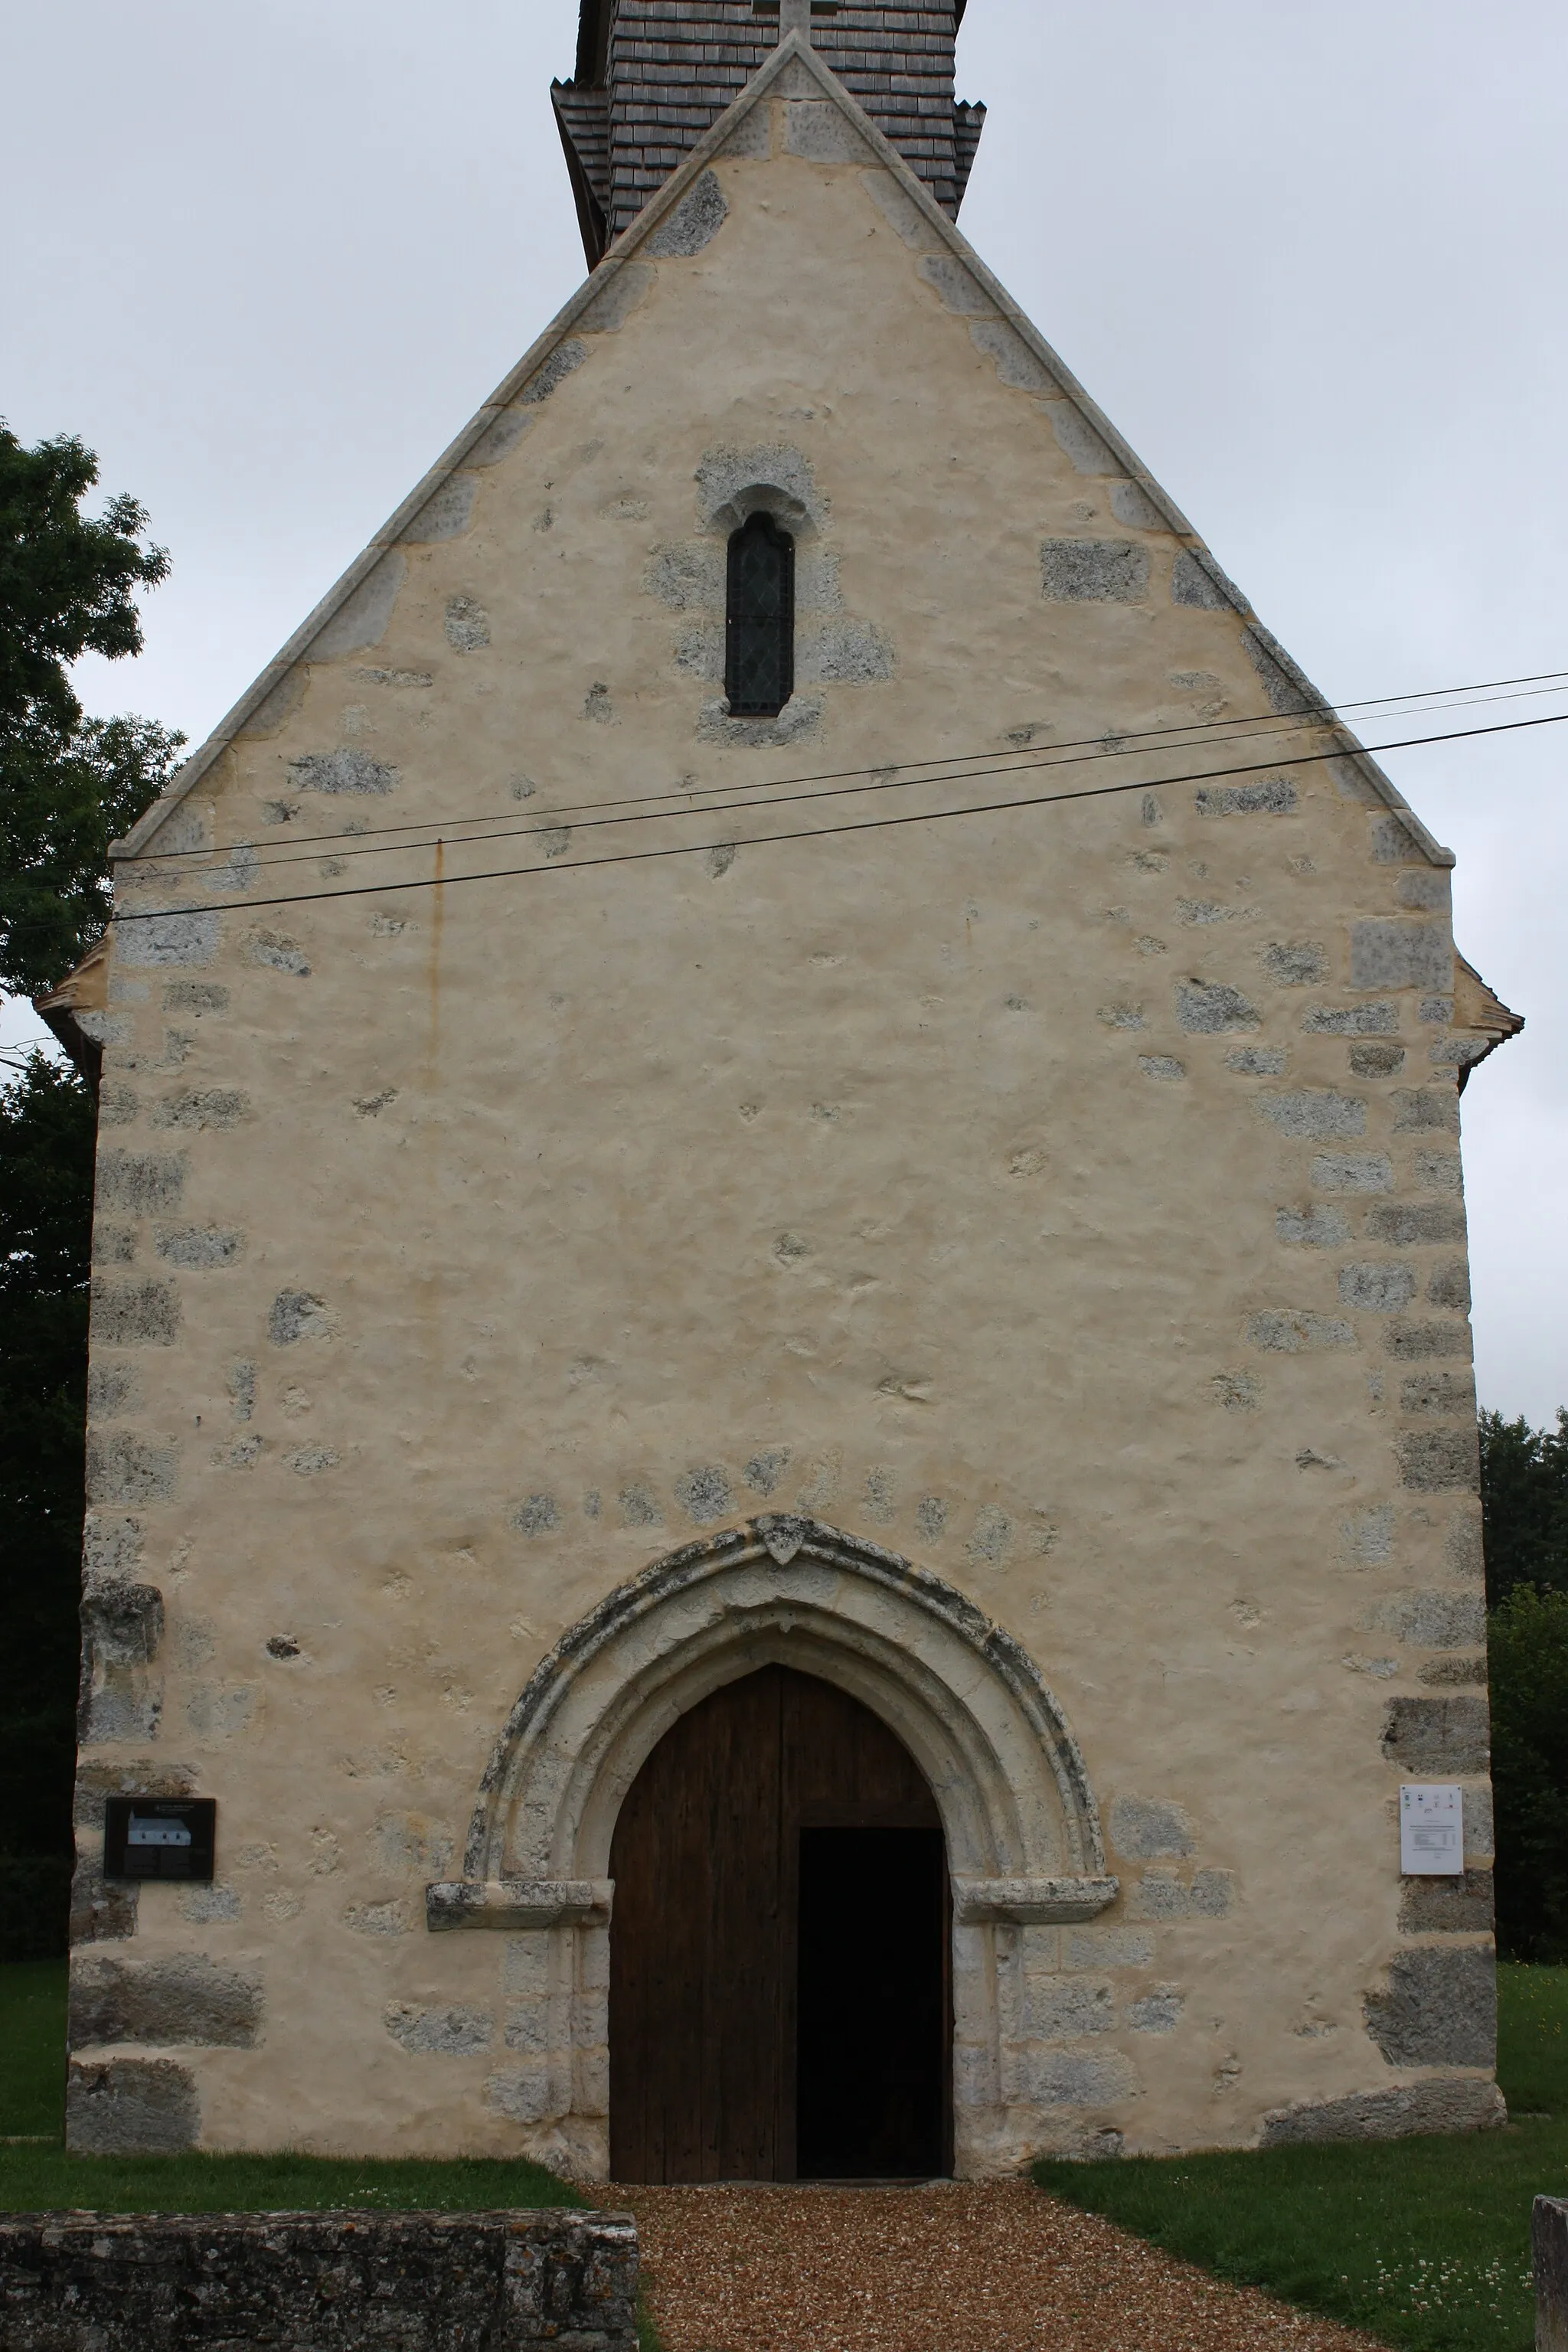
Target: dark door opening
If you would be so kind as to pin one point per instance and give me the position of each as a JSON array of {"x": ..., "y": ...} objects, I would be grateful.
[
  {"x": 872, "y": 2032},
  {"x": 779, "y": 2004}
]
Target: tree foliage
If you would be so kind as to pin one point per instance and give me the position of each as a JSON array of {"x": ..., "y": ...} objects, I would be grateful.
[
  {"x": 68, "y": 583},
  {"x": 63, "y": 801},
  {"x": 1529, "y": 1652},
  {"x": 46, "y": 1131},
  {"x": 1524, "y": 1503},
  {"x": 69, "y": 785}
]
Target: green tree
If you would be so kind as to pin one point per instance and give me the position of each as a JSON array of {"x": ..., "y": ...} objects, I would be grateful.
[
  {"x": 46, "y": 1129},
  {"x": 1528, "y": 1652},
  {"x": 69, "y": 585},
  {"x": 69, "y": 785},
  {"x": 1524, "y": 1504}
]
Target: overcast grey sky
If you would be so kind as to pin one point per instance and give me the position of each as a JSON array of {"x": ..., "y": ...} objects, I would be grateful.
[{"x": 267, "y": 259}]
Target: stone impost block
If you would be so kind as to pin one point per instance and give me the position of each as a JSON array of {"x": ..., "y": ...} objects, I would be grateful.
[
  {"x": 1549, "y": 2233},
  {"x": 1029, "y": 1902},
  {"x": 426, "y": 2282},
  {"x": 513, "y": 1903}
]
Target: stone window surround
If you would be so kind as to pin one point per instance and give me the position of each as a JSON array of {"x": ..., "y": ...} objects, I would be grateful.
[{"x": 1023, "y": 1839}]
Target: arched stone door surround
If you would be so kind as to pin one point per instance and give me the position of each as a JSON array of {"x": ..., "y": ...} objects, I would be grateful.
[{"x": 1023, "y": 1833}]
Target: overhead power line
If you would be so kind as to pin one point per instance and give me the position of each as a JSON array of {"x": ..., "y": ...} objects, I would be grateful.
[
  {"x": 638, "y": 812},
  {"x": 820, "y": 833},
  {"x": 363, "y": 839}
]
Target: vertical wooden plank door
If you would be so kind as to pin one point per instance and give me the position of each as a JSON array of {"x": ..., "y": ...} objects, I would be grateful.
[{"x": 779, "y": 2001}]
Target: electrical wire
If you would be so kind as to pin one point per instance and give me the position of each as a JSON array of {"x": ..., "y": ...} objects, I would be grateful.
[
  {"x": 366, "y": 839},
  {"x": 816, "y": 832},
  {"x": 882, "y": 780}
]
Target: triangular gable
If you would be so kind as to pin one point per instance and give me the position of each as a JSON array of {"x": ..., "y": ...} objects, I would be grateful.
[{"x": 794, "y": 69}]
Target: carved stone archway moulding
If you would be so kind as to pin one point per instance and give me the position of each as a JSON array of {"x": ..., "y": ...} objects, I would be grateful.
[{"x": 1023, "y": 1841}]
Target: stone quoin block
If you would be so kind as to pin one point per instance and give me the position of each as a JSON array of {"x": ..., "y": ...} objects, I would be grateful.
[
  {"x": 103, "y": 1910},
  {"x": 122, "y": 1624},
  {"x": 1407, "y": 1223},
  {"x": 130, "y": 2106},
  {"x": 1451, "y": 1906},
  {"x": 1434, "y": 1621},
  {"x": 1449, "y": 1285},
  {"x": 125, "y": 1469},
  {"x": 1309, "y": 1116},
  {"x": 1438, "y": 1393},
  {"x": 1414, "y": 1340},
  {"x": 515, "y": 2282},
  {"x": 1458, "y": 2104},
  {"x": 154, "y": 939},
  {"x": 1401, "y": 955},
  {"x": 1439, "y": 2008},
  {"x": 179, "y": 2000},
  {"x": 135, "y": 1314},
  {"x": 1417, "y": 1108},
  {"x": 1377, "y": 1288},
  {"x": 140, "y": 1183},
  {"x": 1433, "y": 1459},
  {"x": 112, "y": 1388},
  {"x": 1429, "y": 1737}
]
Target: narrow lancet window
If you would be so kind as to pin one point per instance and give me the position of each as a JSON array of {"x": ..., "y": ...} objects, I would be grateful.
[{"x": 758, "y": 649}]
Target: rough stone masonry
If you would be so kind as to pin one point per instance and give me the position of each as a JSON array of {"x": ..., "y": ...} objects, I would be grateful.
[{"x": 335, "y": 2281}]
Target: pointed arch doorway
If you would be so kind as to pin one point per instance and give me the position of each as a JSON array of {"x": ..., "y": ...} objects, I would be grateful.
[{"x": 780, "y": 1990}]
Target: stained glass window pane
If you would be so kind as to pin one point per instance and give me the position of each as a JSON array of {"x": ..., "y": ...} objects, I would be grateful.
[{"x": 758, "y": 666}]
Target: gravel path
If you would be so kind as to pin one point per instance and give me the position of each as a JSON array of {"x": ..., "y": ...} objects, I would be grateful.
[{"x": 972, "y": 2267}]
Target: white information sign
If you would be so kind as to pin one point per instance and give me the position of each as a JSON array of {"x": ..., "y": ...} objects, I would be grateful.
[{"x": 1432, "y": 1830}]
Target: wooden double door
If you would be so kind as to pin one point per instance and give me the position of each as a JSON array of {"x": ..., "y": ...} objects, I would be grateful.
[{"x": 780, "y": 2000}]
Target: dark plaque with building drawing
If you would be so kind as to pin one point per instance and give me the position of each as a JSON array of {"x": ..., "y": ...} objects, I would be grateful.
[{"x": 159, "y": 1837}]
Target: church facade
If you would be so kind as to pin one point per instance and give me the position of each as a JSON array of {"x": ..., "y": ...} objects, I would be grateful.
[{"x": 780, "y": 1391}]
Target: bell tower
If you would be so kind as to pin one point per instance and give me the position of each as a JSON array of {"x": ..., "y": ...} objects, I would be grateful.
[{"x": 652, "y": 75}]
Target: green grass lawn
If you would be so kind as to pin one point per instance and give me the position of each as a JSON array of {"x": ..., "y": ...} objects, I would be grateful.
[
  {"x": 32, "y": 2047},
  {"x": 1425, "y": 2242}
]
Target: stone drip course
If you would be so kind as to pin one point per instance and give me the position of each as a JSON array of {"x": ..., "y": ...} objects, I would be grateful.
[{"x": 503, "y": 2282}]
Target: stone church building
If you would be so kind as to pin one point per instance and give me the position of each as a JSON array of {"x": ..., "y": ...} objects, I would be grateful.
[{"x": 780, "y": 1396}]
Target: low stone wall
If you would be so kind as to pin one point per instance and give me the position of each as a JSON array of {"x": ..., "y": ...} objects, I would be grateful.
[
  {"x": 1550, "y": 2231},
  {"x": 318, "y": 2282}
]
